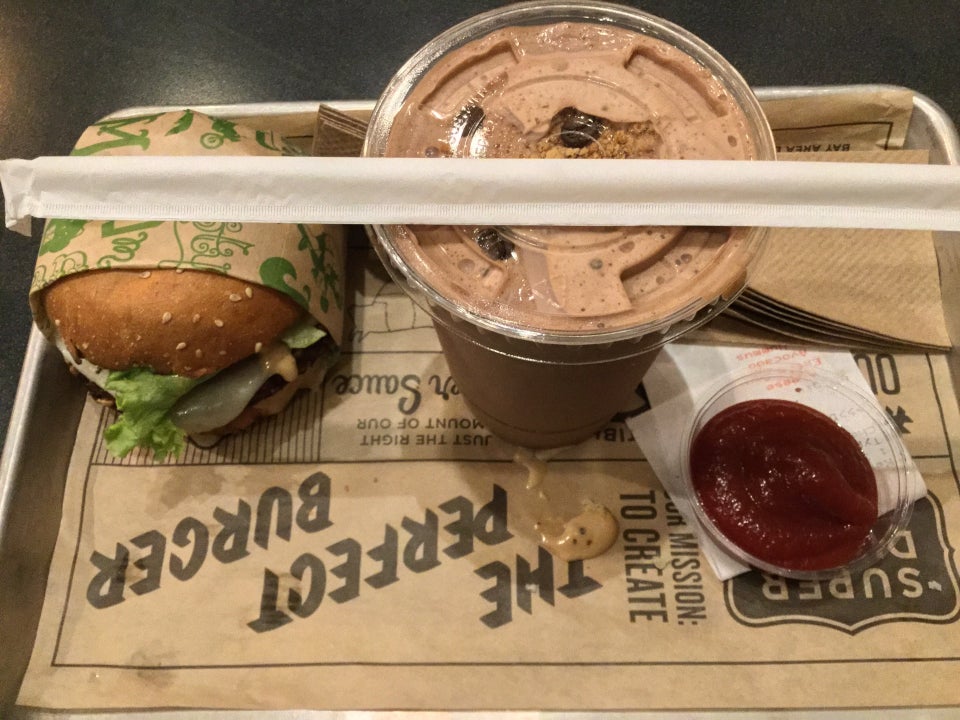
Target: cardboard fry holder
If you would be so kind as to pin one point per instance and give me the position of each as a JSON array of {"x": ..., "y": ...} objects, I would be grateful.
[{"x": 305, "y": 262}]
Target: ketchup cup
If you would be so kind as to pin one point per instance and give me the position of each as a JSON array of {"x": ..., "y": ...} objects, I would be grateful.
[{"x": 796, "y": 472}]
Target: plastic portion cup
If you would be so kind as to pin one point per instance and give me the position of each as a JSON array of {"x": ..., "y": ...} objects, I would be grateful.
[
  {"x": 548, "y": 330},
  {"x": 852, "y": 409}
]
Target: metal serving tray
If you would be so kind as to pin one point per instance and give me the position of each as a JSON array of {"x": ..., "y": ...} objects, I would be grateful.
[{"x": 48, "y": 404}]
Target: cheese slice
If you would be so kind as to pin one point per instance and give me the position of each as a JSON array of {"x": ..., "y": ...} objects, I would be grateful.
[{"x": 219, "y": 400}]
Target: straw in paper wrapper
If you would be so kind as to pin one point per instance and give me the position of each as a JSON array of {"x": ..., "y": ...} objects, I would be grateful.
[{"x": 494, "y": 191}]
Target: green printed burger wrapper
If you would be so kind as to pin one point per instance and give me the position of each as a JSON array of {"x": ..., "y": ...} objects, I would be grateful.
[{"x": 305, "y": 262}]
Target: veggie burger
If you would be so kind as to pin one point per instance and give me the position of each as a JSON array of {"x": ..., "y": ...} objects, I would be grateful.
[
  {"x": 190, "y": 329},
  {"x": 184, "y": 353}
]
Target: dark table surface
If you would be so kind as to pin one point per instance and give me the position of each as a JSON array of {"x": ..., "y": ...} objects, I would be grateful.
[{"x": 66, "y": 64}]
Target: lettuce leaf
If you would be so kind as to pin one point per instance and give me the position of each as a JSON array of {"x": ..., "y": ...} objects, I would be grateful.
[
  {"x": 143, "y": 400},
  {"x": 303, "y": 334}
]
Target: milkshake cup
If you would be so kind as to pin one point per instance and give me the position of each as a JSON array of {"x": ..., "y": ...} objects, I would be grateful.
[{"x": 548, "y": 331}]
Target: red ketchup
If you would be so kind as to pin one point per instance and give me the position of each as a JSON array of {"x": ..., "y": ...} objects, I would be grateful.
[{"x": 785, "y": 483}]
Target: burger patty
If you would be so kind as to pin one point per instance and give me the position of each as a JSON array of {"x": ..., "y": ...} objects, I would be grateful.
[{"x": 305, "y": 358}]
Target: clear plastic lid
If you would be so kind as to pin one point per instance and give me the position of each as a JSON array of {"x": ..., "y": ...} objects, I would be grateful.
[{"x": 569, "y": 80}]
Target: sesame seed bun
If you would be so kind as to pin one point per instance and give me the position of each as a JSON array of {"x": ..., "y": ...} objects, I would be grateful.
[{"x": 191, "y": 323}]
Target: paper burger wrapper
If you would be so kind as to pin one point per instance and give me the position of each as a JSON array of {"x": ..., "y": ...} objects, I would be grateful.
[{"x": 305, "y": 262}]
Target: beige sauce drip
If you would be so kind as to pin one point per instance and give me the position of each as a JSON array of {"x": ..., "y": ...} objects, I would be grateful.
[
  {"x": 311, "y": 379},
  {"x": 278, "y": 359},
  {"x": 536, "y": 468},
  {"x": 587, "y": 535}
]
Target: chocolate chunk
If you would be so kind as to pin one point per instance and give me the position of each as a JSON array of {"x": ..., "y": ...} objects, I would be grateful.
[
  {"x": 468, "y": 120},
  {"x": 493, "y": 244},
  {"x": 578, "y": 129}
]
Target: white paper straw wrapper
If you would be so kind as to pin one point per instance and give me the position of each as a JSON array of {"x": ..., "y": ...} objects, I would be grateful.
[{"x": 484, "y": 192}]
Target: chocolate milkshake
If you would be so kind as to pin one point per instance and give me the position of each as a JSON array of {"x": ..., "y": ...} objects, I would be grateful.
[{"x": 548, "y": 330}]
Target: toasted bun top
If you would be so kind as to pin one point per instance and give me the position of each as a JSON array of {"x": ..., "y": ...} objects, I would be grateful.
[{"x": 189, "y": 323}]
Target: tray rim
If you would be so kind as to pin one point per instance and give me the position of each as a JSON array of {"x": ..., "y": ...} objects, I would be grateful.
[{"x": 12, "y": 458}]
